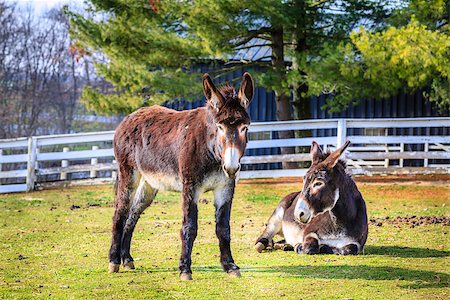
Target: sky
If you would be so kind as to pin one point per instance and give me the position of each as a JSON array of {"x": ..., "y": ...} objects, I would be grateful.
[{"x": 41, "y": 6}]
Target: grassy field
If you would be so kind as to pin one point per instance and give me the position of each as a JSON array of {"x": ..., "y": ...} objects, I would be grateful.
[{"x": 54, "y": 244}]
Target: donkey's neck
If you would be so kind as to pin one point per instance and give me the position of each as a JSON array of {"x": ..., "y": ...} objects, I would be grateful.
[{"x": 345, "y": 206}]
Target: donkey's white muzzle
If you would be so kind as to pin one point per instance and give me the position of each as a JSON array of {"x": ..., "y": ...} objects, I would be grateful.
[
  {"x": 302, "y": 212},
  {"x": 231, "y": 163}
]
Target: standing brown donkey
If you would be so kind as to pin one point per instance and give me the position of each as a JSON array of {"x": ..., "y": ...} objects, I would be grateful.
[{"x": 192, "y": 152}]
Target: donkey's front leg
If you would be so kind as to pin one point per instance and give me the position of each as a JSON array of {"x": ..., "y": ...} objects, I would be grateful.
[
  {"x": 188, "y": 231},
  {"x": 310, "y": 243},
  {"x": 223, "y": 198}
]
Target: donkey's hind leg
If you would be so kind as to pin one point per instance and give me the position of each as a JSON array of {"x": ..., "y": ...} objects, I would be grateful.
[
  {"x": 274, "y": 225},
  {"x": 142, "y": 199},
  {"x": 282, "y": 245},
  {"x": 124, "y": 188}
]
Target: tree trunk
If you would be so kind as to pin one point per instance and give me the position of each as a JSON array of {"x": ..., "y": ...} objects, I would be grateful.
[
  {"x": 284, "y": 111},
  {"x": 302, "y": 106},
  {"x": 299, "y": 39},
  {"x": 301, "y": 99}
]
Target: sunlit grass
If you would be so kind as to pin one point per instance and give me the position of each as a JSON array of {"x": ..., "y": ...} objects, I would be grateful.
[{"x": 52, "y": 251}]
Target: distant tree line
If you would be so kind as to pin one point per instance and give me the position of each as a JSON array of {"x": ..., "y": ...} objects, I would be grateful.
[{"x": 41, "y": 73}]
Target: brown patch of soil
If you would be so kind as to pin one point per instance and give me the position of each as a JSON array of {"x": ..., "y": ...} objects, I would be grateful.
[
  {"x": 390, "y": 179},
  {"x": 411, "y": 221},
  {"x": 404, "y": 178},
  {"x": 282, "y": 180}
]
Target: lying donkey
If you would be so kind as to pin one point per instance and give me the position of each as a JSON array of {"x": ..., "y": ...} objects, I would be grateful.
[{"x": 327, "y": 216}]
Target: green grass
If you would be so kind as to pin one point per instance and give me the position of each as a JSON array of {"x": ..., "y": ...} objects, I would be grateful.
[{"x": 51, "y": 251}]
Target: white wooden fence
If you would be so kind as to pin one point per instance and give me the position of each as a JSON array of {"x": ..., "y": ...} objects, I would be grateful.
[{"x": 25, "y": 161}]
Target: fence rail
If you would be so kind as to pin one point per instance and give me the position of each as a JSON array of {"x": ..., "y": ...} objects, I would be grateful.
[{"x": 35, "y": 162}]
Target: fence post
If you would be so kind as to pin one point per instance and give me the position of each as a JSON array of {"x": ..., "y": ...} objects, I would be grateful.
[
  {"x": 1, "y": 153},
  {"x": 31, "y": 164},
  {"x": 341, "y": 134},
  {"x": 402, "y": 149},
  {"x": 114, "y": 173},
  {"x": 64, "y": 163},
  {"x": 94, "y": 161},
  {"x": 425, "y": 161},
  {"x": 386, "y": 161},
  {"x": 37, "y": 162}
]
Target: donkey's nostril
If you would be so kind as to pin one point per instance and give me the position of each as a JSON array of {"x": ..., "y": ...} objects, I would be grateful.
[
  {"x": 302, "y": 213},
  {"x": 232, "y": 171}
]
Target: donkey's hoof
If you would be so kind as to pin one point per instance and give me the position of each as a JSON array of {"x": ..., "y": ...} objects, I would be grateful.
[
  {"x": 260, "y": 247},
  {"x": 185, "y": 276},
  {"x": 128, "y": 266},
  {"x": 234, "y": 273},
  {"x": 113, "y": 268}
]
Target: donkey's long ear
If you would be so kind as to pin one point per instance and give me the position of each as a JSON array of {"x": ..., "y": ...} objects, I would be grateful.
[
  {"x": 246, "y": 90},
  {"x": 213, "y": 97},
  {"x": 316, "y": 153},
  {"x": 333, "y": 158}
]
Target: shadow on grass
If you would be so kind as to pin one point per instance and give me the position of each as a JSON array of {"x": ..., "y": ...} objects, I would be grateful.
[
  {"x": 404, "y": 251},
  {"x": 419, "y": 278}
]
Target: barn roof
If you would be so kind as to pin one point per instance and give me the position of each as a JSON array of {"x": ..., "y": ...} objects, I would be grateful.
[{"x": 255, "y": 49}]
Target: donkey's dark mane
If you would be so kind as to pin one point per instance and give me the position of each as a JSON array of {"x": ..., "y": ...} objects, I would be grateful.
[
  {"x": 227, "y": 91},
  {"x": 231, "y": 110}
]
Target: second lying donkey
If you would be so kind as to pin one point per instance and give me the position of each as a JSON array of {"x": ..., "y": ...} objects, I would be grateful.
[{"x": 327, "y": 216}]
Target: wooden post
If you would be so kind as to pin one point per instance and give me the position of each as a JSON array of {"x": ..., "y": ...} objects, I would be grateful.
[
  {"x": 425, "y": 161},
  {"x": 402, "y": 149},
  {"x": 31, "y": 164},
  {"x": 386, "y": 161},
  {"x": 36, "y": 166},
  {"x": 114, "y": 173},
  {"x": 94, "y": 161},
  {"x": 1, "y": 153},
  {"x": 341, "y": 134},
  {"x": 64, "y": 163}
]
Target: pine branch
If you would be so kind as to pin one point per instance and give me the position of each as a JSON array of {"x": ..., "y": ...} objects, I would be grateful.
[
  {"x": 237, "y": 65},
  {"x": 251, "y": 46},
  {"x": 253, "y": 34},
  {"x": 318, "y": 4}
]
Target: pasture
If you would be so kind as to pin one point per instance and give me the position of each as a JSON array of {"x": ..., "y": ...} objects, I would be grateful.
[{"x": 54, "y": 244}]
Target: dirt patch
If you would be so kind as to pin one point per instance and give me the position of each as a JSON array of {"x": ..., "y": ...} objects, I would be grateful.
[
  {"x": 388, "y": 179},
  {"x": 411, "y": 221},
  {"x": 413, "y": 179}
]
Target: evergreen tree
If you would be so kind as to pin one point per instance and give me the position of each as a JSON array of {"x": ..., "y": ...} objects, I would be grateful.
[
  {"x": 410, "y": 52},
  {"x": 351, "y": 49}
]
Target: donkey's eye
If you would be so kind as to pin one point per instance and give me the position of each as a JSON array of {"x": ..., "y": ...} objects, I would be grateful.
[
  {"x": 318, "y": 184},
  {"x": 220, "y": 127}
]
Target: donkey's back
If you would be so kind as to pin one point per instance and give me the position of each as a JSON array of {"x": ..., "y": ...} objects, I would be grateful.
[{"x": 151, "y": 138}]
